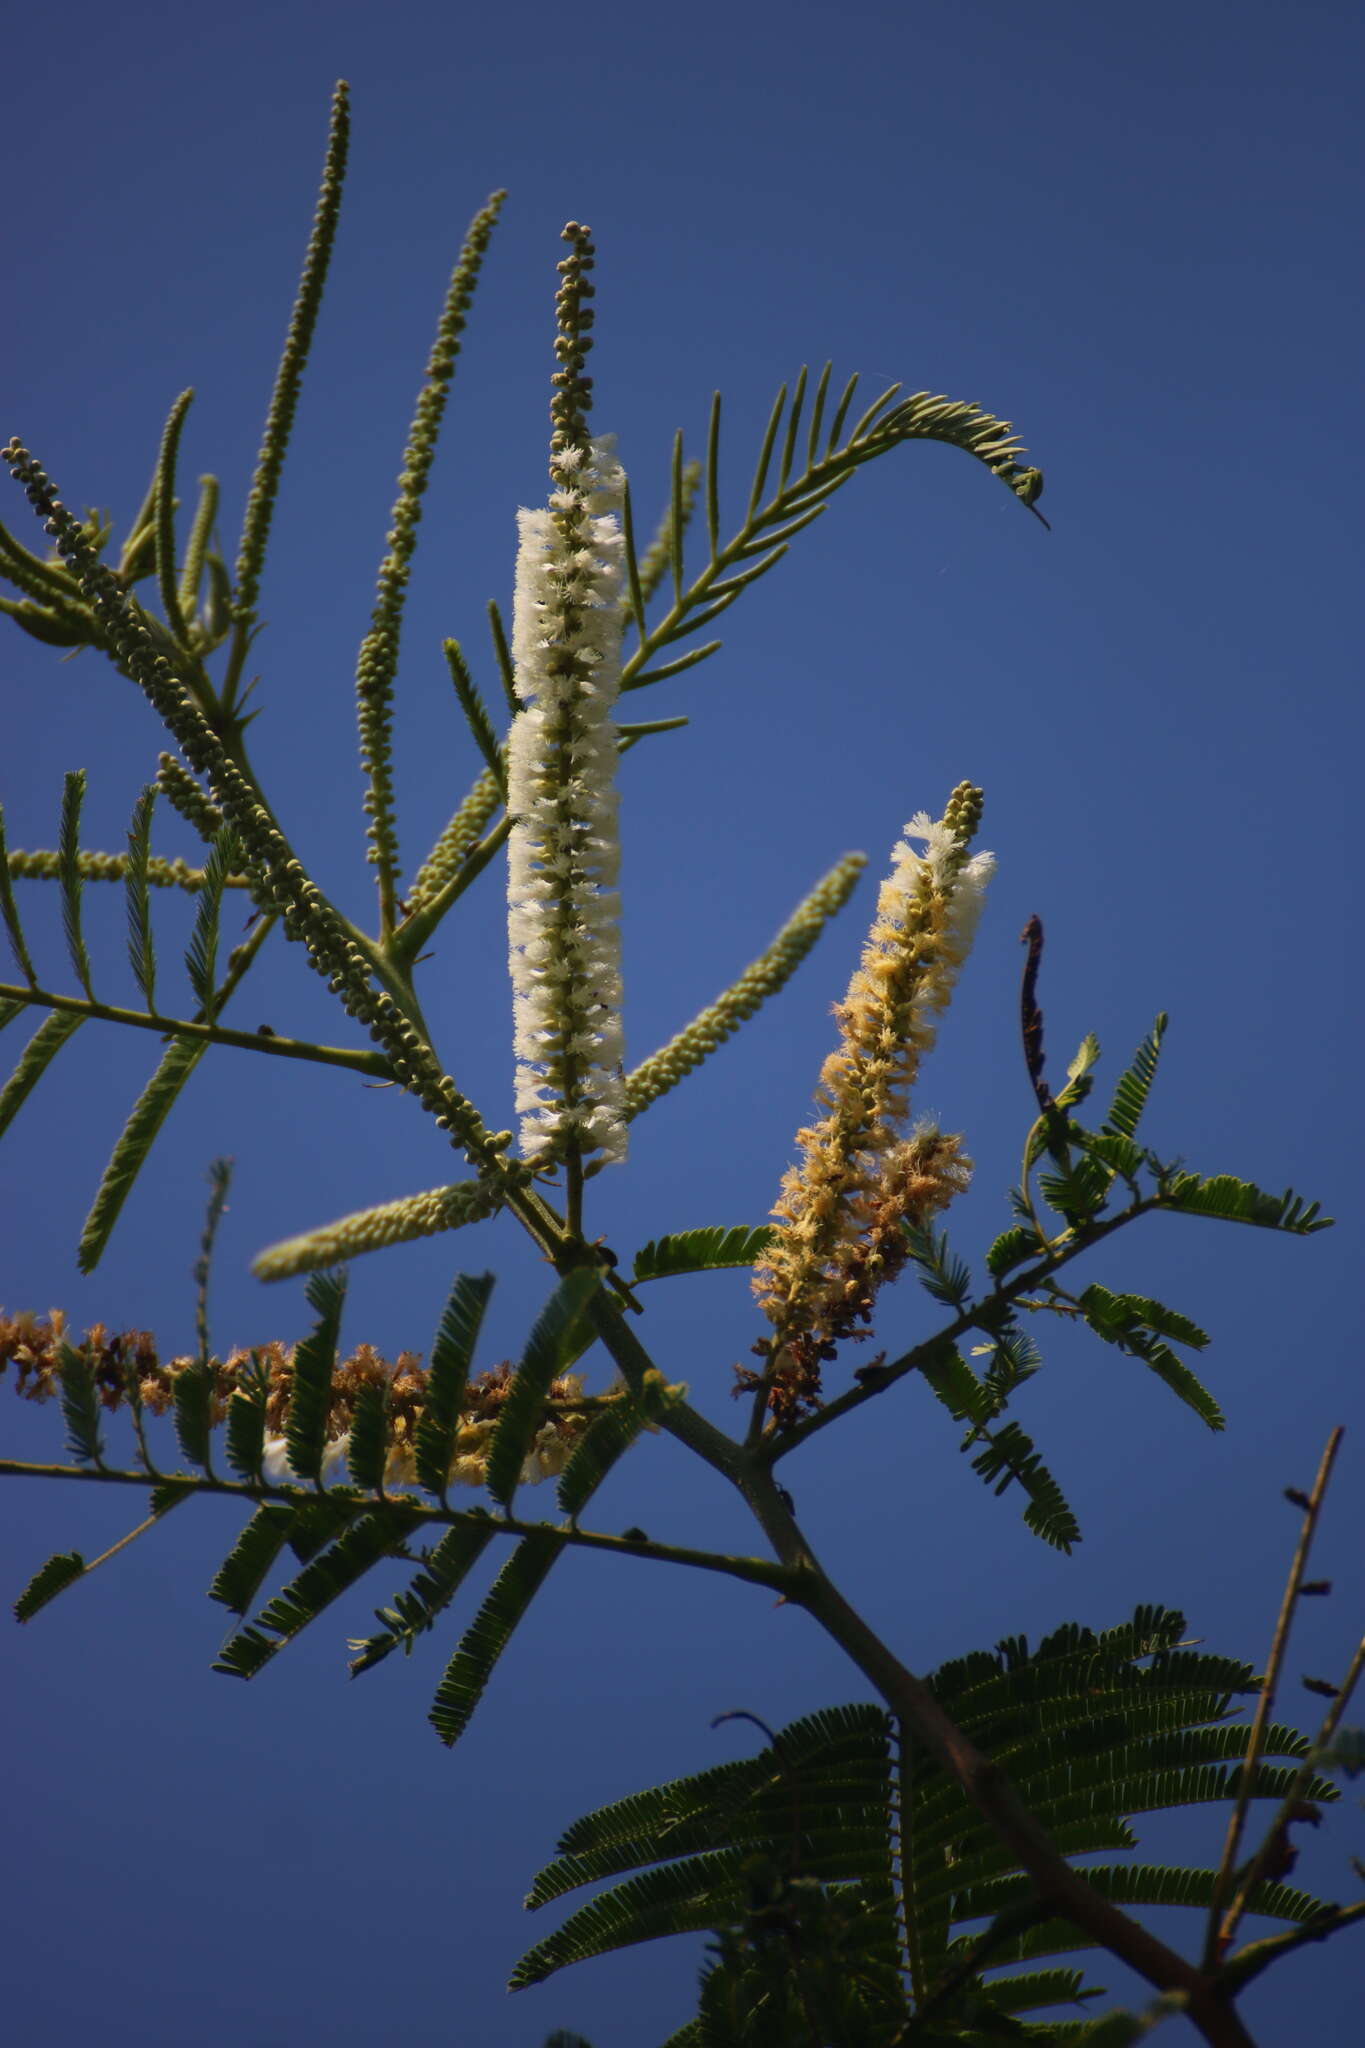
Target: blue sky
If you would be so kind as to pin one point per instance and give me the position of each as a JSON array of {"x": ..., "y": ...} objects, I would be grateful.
[{"x": 1128, "y": 231}]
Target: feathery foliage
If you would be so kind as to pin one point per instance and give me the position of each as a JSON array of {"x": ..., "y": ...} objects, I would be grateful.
[{"x": 1092, "y": 1728}]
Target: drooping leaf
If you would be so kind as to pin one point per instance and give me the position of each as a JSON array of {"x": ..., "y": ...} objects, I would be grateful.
[
  {"x": 701, "y": 1251},
  {"x": 1240, "y": 1201},
  {"x": 1009, "y": 1456},
  {"x": 69, "y": 878},
  {"x": 139, "y": 1134},
  {"x": 487, "y": 1636},
  {"x": 1134, "y": 1085},
  {"x": 141, "y": 951},
  {"x": 314, "y": 1360},
  {"x": 523, "y": 1410},
  {"x": 53, "y": 1578},
  {"x": 1137, "y": 1325},
  {"x": 46, "y": 1042},
  {"x": 952, "y": 1381},
  {"x": 416, "y": 1609},
  {"x": 447, "y": 1375}
]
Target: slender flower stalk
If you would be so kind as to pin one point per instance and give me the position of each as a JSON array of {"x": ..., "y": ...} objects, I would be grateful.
[
  {"x": 563, "y": 910},
  {"x": 838, "y": 1236}
]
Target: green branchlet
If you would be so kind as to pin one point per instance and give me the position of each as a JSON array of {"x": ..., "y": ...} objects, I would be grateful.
[
  {"x": 763, "y": 977},
  {"x": 369, "y": 1230},
  {"x": 377, "y": 665},
  {"x": 284, "y": 399}
]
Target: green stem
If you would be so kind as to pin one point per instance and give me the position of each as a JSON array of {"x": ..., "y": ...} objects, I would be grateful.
[
  {"x": 757, "y": 1571},
  {"x": 372, "y": 1063},
  {"x": 978, "y": 1318}
]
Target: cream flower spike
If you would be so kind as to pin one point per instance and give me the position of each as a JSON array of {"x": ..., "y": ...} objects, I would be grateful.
[{"x": 563, "y": 910}]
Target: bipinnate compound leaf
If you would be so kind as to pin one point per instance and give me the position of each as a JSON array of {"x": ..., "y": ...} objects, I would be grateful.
[{"x": 1092, "y": 1728}]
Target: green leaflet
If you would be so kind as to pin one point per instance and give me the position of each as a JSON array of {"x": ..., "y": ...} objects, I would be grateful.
[
  {"x": 139, "y": 1134},
  {"x": 1009, "y": 1456},
  {"x": 48, "y": 1581},
  {"x": 242, "y": 1572},
  {"x": 1012, "y": 1248},
  {"x": 201, "y": 957},
  {"x": 245, "y": 1431},
  {"x": 46, "y": 1042},
  {"x": 80, "y": 1406},
  {"x": 9, "y": 910},
  {"x": 608, "y": 1437},
  {"x": 141, "y": 951},
  {"x": 796, "y": 498},
  {"x": 447, "y": 1375},
  {"x": 335, "y": 1569},
  {"x": 701, "y": 1251},
  {"x": 69, "y": 878},
  {"x": 367, "y": 1445},
  {"x": 942, "y": 1274},
  {"x": 193, "y": 1396},
  {"x": 476, "y": 714},
  {"x": 314, "y": 1360},
  {"x": 288, "y": 377},
  {"x": 1133, "y": 1086},
  {"x": 165, "y": 517},
  {"x": 360, "y": 1545},
  {"x": 415, "y": 1610},
  {"x": 1240, "y": 1201},
  {"x": 1137, "y": 1324},
  {"x": 487, "y": 1636},
  {"x": 547, "y": 1348}
]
